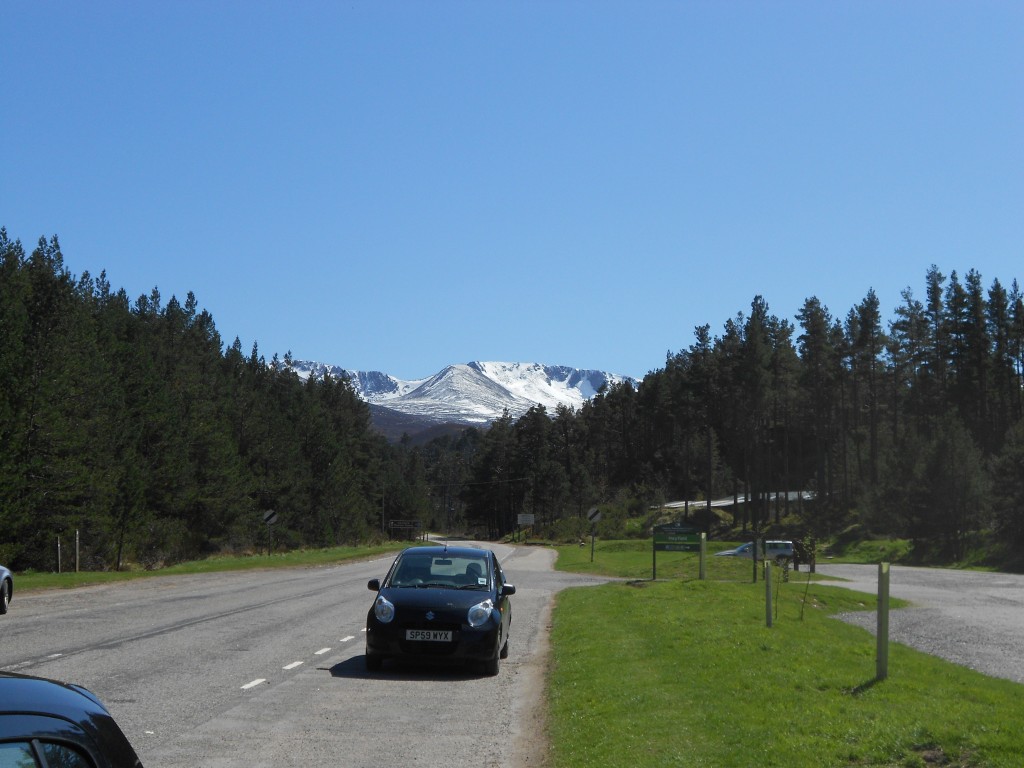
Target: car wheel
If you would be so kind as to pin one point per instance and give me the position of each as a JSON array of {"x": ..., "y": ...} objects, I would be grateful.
[
  {"x": 374, "y": 662},
  {"x": 504, "y": 650},
  {"x": 5, "y": 596},
  {"x": 491, "y": 666}
]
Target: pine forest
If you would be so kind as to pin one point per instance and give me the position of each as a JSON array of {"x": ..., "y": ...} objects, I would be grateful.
[{"x": 130, "y": 424}]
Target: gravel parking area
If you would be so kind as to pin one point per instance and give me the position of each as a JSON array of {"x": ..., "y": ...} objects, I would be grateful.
[{"x": 968, "y": 617}]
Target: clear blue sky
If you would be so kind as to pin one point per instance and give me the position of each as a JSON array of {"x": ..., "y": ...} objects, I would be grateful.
[{"x": 398, "y": 186}]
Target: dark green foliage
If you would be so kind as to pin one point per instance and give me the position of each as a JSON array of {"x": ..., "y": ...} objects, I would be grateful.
[
  {"x": 1008, "y": 489},
  {"x": 130, "y": 424},
  {"x": 897, "y": 431}
]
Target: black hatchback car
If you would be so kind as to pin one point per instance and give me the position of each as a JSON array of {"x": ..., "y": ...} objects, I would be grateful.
[
  {"x": 46, "y": 724},
  {"x": 441, "y": 603}
]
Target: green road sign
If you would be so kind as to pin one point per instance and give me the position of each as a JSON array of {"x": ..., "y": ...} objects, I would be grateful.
[{"x": 676, "y": 538}]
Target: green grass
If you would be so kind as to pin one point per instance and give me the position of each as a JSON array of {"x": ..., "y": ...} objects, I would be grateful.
[
  {"x": 681, "y": 672},
  {"x": 686, "y": 673},
  {"x": 299, "y": 558},
  {"x": 868, "y": 551},
  {"x": 633, "y": 559}
]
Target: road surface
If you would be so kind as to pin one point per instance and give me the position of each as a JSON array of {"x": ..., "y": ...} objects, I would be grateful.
[{"x": 265, "y": 668}]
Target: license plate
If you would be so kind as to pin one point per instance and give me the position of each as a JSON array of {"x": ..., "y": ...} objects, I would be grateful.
[{"x": 429, "y": 635}]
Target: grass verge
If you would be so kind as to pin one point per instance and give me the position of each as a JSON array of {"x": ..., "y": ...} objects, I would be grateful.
[
  {"x": 686, "y": 673},
  {"x": 300, "y": 558}
]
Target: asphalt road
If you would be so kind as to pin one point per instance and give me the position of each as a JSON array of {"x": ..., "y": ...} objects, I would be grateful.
[
  {"x": 971, "y": 618},
  {"x": 266, "y": 668}
]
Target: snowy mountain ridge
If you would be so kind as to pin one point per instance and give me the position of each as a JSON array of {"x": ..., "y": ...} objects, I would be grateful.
[{"x": 472, "y": 393}]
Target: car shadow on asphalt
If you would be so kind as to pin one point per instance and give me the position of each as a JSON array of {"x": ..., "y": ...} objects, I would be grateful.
[{"x": 354, "y": 668}]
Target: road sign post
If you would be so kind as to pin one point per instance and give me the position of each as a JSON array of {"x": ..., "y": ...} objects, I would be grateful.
[
  {"x": 677, "y": 538},
  {"x": 593, "y": 515},
  {"x": 703, "y": 571},
  {"x": 527, "y": 519},
  {"x": 270, "y": 518},
  {"x": 409, "y": 529}
]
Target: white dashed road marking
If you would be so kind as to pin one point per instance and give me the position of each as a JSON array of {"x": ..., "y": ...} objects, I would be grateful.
[{"x": 295, "y": 664}]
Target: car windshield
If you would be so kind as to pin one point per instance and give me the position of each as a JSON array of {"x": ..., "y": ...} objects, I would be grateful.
[{"x": 447, "y": 571}]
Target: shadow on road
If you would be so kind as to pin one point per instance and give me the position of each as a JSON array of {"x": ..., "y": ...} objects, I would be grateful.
[{"x": 403, "y": 671}]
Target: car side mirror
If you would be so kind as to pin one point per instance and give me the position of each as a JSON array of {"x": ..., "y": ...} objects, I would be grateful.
[
  {"x": 508, "y": 589},
  {"x": 373, "y": 584}
]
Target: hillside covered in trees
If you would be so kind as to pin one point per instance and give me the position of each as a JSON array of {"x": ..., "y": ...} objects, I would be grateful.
[{"x": 131, "y": 422}]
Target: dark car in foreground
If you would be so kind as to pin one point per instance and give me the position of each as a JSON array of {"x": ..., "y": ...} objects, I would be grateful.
[
  {"x": 6, "y": 588},
  {"x": 47, "y": 724},
  {"x": 441, "y": 603}
]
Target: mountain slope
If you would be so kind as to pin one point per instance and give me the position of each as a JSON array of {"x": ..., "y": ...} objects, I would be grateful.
[{"x": 472, "y": 393}]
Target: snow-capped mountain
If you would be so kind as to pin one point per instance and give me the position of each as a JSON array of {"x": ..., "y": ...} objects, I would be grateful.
[{"x": 472, "y": 393}]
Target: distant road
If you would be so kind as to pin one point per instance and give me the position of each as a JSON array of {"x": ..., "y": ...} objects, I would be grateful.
[
  {"x": 242, "y": 670},
  {"x": 729, "y": 501},
  {"x": 968, "y": 617}
]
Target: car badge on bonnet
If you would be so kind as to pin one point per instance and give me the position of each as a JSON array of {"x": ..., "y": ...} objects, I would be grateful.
[{"x": 430, "y": 615}]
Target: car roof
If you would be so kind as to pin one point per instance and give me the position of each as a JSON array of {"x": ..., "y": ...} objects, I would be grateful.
[
  {"x": 441, "y": 551},
  {"x": 769, "y": 542},
  {"x": 36, "y": 696},
  {"x": 26, "y": 695}
]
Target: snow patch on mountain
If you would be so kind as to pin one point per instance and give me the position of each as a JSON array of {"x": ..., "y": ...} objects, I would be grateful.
[
  {"x": 548, "y": 385},
  {"x": 472, "y": 393}
]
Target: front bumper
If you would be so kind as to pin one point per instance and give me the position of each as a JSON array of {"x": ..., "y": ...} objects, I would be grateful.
[{"x": 470, "y": 643}]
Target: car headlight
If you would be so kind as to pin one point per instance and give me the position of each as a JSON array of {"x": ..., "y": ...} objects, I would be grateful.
[
  {"x": 383, "y": 609},
  {"x": 480, "y": 613}
]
